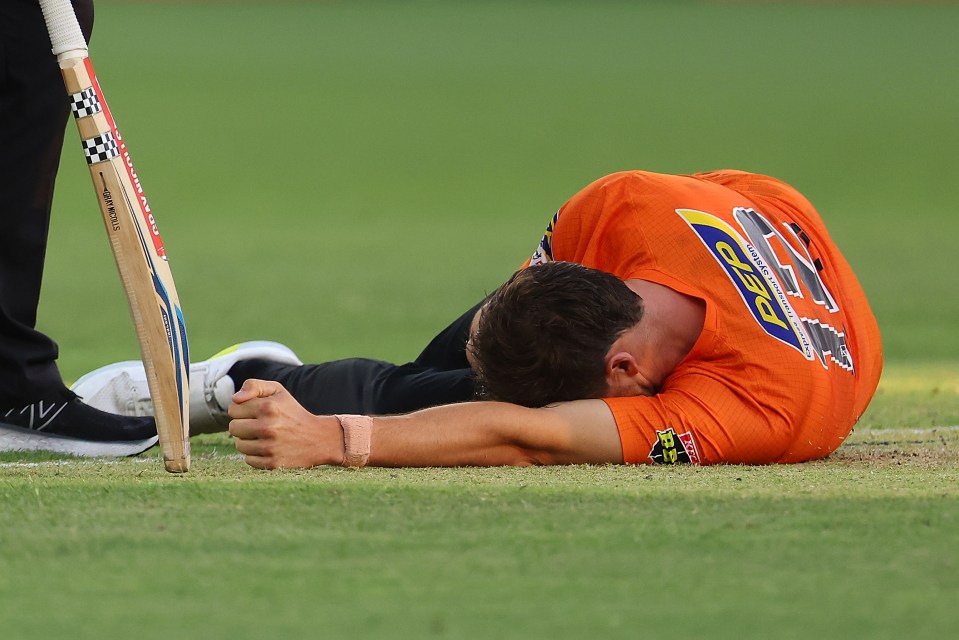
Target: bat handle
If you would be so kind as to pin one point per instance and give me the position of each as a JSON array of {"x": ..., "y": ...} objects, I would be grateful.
[{"x": 65, "y": 34}]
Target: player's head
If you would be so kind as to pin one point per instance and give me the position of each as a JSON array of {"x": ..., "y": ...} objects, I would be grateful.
[{"x": 543, "y": 336}]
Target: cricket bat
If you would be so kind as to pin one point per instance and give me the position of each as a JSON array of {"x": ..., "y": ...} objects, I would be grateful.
[{"x": 134, "y": 238}]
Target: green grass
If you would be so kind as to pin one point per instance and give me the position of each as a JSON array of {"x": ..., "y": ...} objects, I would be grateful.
[
  {"x": 387, "y": 164},
  {"x": 916, "y": 395},
  {"x": 386, "y": 153},
  {"x": 859, "y": 546}
]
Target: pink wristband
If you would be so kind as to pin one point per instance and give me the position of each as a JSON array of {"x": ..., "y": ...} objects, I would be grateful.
[{"x": 357, "y": 434}]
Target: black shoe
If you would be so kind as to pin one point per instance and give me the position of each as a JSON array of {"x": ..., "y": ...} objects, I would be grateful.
[{"x": 71, "y": 427}]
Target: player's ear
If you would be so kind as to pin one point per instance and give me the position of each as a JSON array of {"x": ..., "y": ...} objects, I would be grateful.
[{"x": 621, "y": 370}]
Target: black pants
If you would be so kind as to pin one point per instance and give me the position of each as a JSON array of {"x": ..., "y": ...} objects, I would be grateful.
[
  {"x": 33, "y": 115},
  {"x": 440, "y": 375}
]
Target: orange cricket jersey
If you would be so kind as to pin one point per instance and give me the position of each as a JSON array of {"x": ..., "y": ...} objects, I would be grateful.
[{"x": 790, "y": 353}]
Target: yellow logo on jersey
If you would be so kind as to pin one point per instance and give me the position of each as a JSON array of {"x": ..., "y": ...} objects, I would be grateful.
[{"x": 755, "y": 282}]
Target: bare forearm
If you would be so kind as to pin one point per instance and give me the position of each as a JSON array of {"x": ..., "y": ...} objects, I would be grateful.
[
  {"x": 454, "y": 435},
  {"x": 273, "y": 430},
  {"x": 487, "y": 434}
]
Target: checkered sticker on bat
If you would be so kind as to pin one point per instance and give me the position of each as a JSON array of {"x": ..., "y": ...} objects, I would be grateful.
[
  {"x": 85, "y": 103},
  {"x": 100, "y": 148}
]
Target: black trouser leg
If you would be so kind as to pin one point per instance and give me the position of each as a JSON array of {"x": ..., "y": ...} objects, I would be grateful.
[
  {"x": 363, "y": 386},
  {"x": 33, "y": 114},
  {"x": 440, "y": 375}
]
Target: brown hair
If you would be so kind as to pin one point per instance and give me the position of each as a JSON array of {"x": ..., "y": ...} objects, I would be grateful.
[{"x": 544, "y": 335}]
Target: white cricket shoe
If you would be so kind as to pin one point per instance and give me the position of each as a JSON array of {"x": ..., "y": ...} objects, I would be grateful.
[{"x": 121, "y": 388}]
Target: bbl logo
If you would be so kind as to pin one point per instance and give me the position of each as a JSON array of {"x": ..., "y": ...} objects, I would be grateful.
[{"x": 673, "y": 448}]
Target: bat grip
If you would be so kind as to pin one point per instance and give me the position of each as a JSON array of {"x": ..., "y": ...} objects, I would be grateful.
[{"x": 62, "y": 25}]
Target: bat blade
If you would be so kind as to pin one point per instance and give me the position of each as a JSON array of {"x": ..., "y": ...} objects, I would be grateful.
[{"x": 134, "y": 238}]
